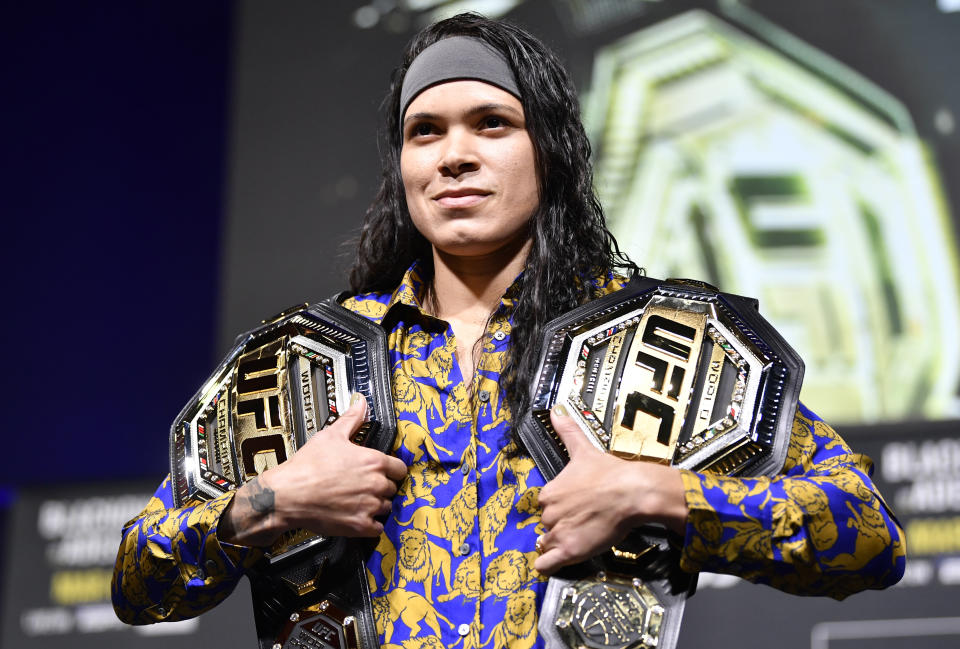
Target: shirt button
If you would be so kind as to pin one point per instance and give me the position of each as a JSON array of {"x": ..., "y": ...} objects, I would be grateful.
[
  {"x": 463, "y": 629},
  {"x": 162, "y": 612},
  {"x": 500, "y": 334},
  {"x": 464, "y": 549},
  {"x": 465, "y": 469},
  {"x": 210, "y": 565},
  {"x": 483, "y": 395}
]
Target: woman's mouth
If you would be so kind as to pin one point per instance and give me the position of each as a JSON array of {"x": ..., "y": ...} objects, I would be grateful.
[{"x": 461, "y": 198}]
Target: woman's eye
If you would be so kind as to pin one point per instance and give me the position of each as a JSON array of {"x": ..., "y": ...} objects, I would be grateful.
[
  {"x": 494, "y": 122},
  {"x": 422, "y": 129}
]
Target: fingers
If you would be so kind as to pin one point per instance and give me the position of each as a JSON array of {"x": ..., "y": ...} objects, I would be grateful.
[
  {"x": 550, "y": 515},
  {"x": 552, "y": 557},
  {"x": 365, "y": 520},
  {"x": 366, "y": 528},
  {"x": 568, "y": 430},
  {"x": 549, "y": 562},
  {"x": 386, "y": 506},
  {"x": 373, "y": 506},
  {"x": 371, "y": 459},
  {"x": 395, "y": 468},
  {"x": 546, "y": 542},
  {"x": 384, "y": 487},
  {"x": 351, "y": 420}
]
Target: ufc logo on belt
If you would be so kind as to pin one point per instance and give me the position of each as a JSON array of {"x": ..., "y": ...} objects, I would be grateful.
[
  {"x": 261, "y": 409},
  {"x": 660, "y": 370}
]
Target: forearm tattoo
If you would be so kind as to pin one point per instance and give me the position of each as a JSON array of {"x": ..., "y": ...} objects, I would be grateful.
[{"x": 261, "y": 498}]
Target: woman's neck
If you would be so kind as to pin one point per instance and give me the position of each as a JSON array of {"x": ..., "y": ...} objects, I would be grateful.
[
  {"x": 466, "y": 290},
  {"x": 474, "y": 285}
]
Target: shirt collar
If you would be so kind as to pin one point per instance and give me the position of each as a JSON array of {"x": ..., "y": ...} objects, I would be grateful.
[{"x": 411, "y": 291}]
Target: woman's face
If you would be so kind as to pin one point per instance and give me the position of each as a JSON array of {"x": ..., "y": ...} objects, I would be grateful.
[{"x": 469, "y": 168}]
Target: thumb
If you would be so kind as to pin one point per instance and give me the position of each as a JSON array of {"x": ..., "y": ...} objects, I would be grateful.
[
  {"x": 351, "y": 420},
  {"x": 568, "y": 431}
]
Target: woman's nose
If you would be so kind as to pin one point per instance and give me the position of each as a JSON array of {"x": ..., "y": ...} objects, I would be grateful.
[{"x": 459, "y": 154}]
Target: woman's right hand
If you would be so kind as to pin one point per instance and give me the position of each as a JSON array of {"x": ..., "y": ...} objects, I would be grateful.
[{"x": 330, "y": 486}]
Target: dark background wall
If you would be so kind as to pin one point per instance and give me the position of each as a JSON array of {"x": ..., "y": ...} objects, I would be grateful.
[
  {"x": 113, "y": 158},
  {"x": 112, "y": 164}
]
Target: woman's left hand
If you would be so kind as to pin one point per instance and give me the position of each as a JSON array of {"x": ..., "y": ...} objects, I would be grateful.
[{"x": 598, "y": 498}]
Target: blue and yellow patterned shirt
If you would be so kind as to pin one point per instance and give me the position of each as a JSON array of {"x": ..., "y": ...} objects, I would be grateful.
[{"x": 454, "y": 565}]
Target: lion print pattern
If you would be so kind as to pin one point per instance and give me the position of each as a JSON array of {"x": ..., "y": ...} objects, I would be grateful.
[
  {"x": 493, "y": 516},
  {"x": 467, "y": 516},
  {"x": 509, "y": 462},
  {"x": 472, "y": 639},
  {"x": 388, "y": 554},
  {"x": 425, "y": 642},
  {"x": 412, "y": 609},
  {"x": 421, "y": 480},
  {"x": 454, "y": 522},
  {"x": 434, "y": 558},
  {"x": 518, "y": 629},
  {"x": 530, "y": 505},
  {"x": 509, "y": 572},
  {"x": 466, "y": 582},
  {"x": 464, "y": 523},
  {"x": 807, "y": 533},
  {"x": 146, "y": 563},
  {"x": 469, "y": 459},
  {"x": 423, "y": 561}
]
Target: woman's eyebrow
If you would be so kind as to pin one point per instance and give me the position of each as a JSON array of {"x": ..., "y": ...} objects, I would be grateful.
[
  {"x": 484, "y": 108},
  {"x": 415, "y": 117},
  {"x": 473, "y": 110}
]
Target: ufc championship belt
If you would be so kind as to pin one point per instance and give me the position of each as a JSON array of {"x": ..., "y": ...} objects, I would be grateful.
[
  {"x": 281, "y": 384},
  {"x": 662, "y": 371}
]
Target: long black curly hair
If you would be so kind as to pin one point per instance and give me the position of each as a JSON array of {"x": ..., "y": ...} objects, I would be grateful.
[{"x": 571, "y": 244}]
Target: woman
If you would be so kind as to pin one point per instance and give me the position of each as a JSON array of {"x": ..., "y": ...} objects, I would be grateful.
[{"x": 485, "y": 228}]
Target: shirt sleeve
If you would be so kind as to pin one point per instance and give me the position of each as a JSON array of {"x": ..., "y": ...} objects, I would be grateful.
[
  {"x": 171, "y": 565},
  {"x": 820, "y": 527}
]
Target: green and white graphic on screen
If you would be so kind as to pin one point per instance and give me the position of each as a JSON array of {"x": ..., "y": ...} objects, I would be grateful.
[{"x": 771, "y": 170}]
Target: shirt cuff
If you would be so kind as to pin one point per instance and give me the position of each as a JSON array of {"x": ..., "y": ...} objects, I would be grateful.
[{"x": 217, "y": 560}]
